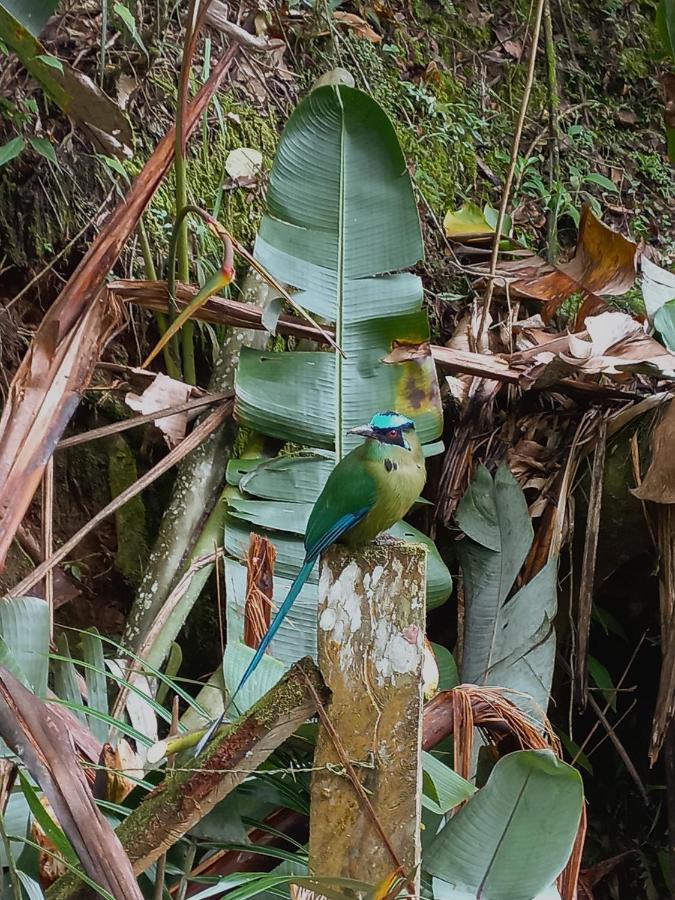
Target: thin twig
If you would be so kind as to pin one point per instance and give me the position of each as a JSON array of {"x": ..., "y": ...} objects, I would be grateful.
[
  {"x": 554, "y": 131},
  {"x": 135, "y": 421},
  {"x": 512, "y": 169},
  {"x": 187, "y": 445},
  {"x": 588, "y": 565},
  {"x": 48, "y": 536},
  {"x": 618, "y": 746}
]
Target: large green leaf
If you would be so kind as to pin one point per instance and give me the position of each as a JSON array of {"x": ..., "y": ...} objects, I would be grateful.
[
  {"x": 443, "y": 787},
  {"x": 341, "y": 226},
  {"x": 33, "y": 14},
  {"x": 513, "y": 838},
  {"x": 283, "y": 478},
  {"x": 291, "y": 551},
  {"x": 507, "y": 642},
  {"x": 24, "y": 641}
]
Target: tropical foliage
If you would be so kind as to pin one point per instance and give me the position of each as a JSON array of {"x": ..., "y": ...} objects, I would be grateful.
[
  {"x": 529, "y": 374},
  {"x": 341, "y": 224}
]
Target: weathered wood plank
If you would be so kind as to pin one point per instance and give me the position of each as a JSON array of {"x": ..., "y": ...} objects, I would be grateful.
[{"x": 371, "y": 643}]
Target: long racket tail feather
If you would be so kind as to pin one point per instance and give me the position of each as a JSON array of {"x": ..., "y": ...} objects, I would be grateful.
[{"x": 275, "y": 624}]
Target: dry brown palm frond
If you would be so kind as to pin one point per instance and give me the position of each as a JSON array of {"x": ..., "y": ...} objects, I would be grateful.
[
  {"x": 259, "y": 586},
  {"x": 68, "y": 342},
  {"x": 39, "y": 737}
]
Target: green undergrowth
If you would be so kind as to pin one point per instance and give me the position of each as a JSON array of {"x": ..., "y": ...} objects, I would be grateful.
[
  {"x": 130, "y": 522},
  {"x": 232, "y": 124}
]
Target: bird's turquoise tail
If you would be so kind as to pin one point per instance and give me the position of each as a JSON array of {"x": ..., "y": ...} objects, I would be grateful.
[{"x": 275, "y": 624}]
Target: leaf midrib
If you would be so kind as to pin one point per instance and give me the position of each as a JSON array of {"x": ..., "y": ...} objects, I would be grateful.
[{"x": 339, "y": 300}]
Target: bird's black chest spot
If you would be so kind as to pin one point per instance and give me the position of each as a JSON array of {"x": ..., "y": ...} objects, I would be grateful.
[{"x": 390, "y": 465}]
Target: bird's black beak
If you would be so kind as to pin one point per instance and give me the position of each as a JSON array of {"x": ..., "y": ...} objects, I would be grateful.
[{"x": 364, "y": 430}]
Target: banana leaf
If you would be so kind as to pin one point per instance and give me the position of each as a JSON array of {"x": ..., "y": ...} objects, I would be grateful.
[
  {"x": 514, "y": 836},
  {"x": 340, "y": 229},
  {"x": 508, "y": 642}
]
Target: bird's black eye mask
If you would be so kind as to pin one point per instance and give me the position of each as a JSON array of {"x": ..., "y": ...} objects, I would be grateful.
[{"x": 393, "y": 436}]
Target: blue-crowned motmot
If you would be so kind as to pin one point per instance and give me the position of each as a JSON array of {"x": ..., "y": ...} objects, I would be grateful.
[{"x": 367, "y": 492}]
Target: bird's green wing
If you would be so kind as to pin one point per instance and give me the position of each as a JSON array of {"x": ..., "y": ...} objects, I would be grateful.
[{"x": 348, "y": 496}]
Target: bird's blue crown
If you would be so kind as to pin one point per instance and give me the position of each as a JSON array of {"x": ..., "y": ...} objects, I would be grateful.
[{"x": 385, "y": 421}]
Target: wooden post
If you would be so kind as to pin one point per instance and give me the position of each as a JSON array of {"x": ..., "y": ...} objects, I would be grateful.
[{"x": 371, "y": 622}]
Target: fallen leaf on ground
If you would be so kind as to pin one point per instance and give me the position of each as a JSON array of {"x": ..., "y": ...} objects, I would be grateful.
[
  {"x": 470, "y": 221},
  {"x": 513, "y": 48},
  {"x": 163, "y": 393},
  {"x": 244, "y": 162},
  {"x": 358, "y": 26},
  {"x": 613, "y": 343},
  {"x": 604, "y": 263}
]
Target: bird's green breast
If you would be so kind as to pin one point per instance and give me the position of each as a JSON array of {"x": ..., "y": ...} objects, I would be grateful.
[{"x": 398, "y": 475}]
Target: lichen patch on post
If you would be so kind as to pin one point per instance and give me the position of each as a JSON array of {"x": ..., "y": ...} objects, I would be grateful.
[
  {"x": 395, "y": 653},
  {"x": 342, "y": 601}
]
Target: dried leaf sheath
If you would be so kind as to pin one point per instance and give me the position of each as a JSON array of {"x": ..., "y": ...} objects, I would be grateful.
[
  {"x": 59, "y": 362},
  {"x": 32, "y": 730}
]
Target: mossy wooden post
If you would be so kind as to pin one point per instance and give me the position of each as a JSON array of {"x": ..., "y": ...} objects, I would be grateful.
[{"x": 371, "y": 622}]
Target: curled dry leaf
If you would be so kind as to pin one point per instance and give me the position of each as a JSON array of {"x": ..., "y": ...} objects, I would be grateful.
[
  {"x": 402, "y": 351},
  {"x": 604, "y": 263},
  {"x": 613, "y": 344},
  {"x": 658, "y": 485},
  {"x": 123, "y": 769},
  {"x": 358, "y": 26},
  {"x": 163, "y": 393},
  {"x": 617, "y": 344},
  {"x": 51, "y": 864}
]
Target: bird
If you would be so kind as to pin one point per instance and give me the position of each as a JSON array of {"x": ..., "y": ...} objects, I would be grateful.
[{"x": 369, "y": 490}]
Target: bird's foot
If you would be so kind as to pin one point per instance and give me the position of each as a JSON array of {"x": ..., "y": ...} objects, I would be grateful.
[{"x": 388, "y": 540}]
